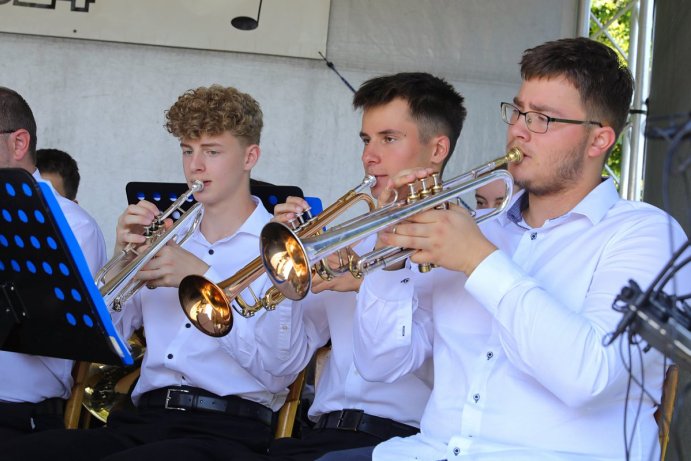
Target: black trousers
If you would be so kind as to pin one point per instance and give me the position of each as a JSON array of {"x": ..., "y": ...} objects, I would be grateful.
[
  {"x": 316, "y": 442},
  {"x": 20, "y": 419},
  {"x": 146, "y": 435}
]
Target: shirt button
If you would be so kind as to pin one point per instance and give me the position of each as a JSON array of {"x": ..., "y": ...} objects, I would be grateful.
[
  {"x": 476, "y": 397},
  {"x": 170, "y": 356},
  {"x": 490, "y": 354},
  {"x": 211, "y": 251},
  {"x": 405, "y": 280},
  {"x": 187, "y": 325},
  {"x": 533, "y": 235},
  {"x": 456, "y": 451}
]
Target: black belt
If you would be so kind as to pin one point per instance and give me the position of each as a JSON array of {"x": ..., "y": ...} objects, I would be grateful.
[
  {"x": 194, "y": 399},
  {"x": 359, "y": 421},
  {"x": 48, "y": 407},
  {"x": 53, "y": 406}
]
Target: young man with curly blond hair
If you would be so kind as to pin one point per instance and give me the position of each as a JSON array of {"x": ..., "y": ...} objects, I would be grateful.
[{"x": 198, "y": 397}]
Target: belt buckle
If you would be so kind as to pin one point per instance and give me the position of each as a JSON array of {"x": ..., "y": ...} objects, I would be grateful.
[
  {"x": 349, "y": 420},
  {"x": 167, "y": 405}
]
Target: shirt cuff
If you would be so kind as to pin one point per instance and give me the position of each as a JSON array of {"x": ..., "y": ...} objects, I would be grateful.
[{"x": 488, "y": 288}]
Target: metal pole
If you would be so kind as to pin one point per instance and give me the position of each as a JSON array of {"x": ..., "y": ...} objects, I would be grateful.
[
  {"x": 583, "y": 18},
  {"x": 633, "y": 152}
]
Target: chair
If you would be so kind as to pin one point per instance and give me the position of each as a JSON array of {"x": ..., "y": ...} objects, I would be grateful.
[
  {"x": 289, "y": 411},
  {"x": 663, "y": 415},
  {"x": 73, "y": 408}
]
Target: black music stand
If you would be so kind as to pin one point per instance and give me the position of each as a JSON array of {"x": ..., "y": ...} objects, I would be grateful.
[
  {"x": 163, "y": 194},
  {"x": 49, "y": 302}
]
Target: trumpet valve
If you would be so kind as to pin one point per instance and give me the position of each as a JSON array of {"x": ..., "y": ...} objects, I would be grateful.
[
  {"x": 413, "y": 195},
  {"x": 424, "y": 190},
  {"x": 437, "y": 186},
  {"x": 294, "y": 223},
  {"x": 426, "y": 267}
]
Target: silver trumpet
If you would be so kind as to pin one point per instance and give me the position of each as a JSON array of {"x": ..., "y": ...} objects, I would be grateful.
[
  {"x": 289, "y": 260},
  {"x": 117, "y": 289}
]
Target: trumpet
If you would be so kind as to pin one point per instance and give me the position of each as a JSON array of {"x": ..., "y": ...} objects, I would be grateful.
[
  {"x": 288, "y": 257},
  {"x": 207, "y": 304},
  {"x": 119, "y": 288}
]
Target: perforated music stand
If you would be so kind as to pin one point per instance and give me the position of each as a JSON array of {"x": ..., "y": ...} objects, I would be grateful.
[
  {"x": 163, "y": 194},
  {"x": 50, "y": 304}
]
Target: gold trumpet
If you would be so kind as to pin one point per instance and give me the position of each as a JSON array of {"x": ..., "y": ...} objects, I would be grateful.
[
  {"x": 207, "y": 304},
  {"x": 119, "y": 288},
  {"x": 288, "y": 257}
]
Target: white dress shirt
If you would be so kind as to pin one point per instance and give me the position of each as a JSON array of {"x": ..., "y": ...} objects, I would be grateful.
[
  {"x": 329, "y": 314},
  {"x": 177, "y": 354},
  {"x": 520, "y": 367},
  {"x": 33, "y": 378}
]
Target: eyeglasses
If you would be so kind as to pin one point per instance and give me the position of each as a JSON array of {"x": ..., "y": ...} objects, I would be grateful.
[{"x": 537, "y": 122}]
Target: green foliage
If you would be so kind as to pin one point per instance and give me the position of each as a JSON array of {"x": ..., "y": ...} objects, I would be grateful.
[{"x": 620, "y": 31}]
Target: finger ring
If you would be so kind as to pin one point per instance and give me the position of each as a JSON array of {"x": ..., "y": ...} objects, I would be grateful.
[{"x": 393, "y": 231}]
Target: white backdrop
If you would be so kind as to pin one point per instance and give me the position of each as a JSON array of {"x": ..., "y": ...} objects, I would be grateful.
[{"x": 103, "y": 102}]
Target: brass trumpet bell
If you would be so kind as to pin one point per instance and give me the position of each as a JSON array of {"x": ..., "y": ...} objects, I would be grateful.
[
  {"x": 206, "y": 305},
  {"x": 285, "y": 260}
]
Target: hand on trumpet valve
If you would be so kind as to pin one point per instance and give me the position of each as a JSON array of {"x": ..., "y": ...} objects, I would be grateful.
[
  {"x": 170, "y": 265},
  {"x": 405, "y": 183},
  {"x": 137, "y": 224},
  {"x": 448, "y": 238},
  {"x": 293, "y": 213}
]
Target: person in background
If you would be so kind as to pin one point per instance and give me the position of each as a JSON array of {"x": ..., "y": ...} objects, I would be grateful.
[
  {"x": 33, "y": 389},
  {"x": 61, "y": 170},
  {"x": 491, "y": 195}
]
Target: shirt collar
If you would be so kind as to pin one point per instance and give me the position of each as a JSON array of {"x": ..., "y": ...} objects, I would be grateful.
[
  {"x": 594, "y": 206},
  {"x": 37, "y": 176},
  {"x": 253, "y": 225}
]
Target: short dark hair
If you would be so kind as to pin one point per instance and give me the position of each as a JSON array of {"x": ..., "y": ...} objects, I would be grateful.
[
  {"x": 604, "y": 83},
  {"x": 62, "y": 164},
  {"x": 214, "y": 110},
  {"x": 434, "y": 104},
  {"x": 16, "y": 114}
]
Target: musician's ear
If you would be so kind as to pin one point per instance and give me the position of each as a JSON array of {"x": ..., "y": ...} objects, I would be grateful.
[{"x": 440, "y": 152}]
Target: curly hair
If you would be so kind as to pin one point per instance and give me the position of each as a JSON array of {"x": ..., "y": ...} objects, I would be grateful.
[{"x": 213, "y": 110}]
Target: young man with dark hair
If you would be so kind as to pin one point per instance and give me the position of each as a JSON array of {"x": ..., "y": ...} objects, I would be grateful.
[
  {"x": 523, "y": 303},
  {"x": 60, "y": 169},
  {"x": 409, "y": 120},
  {"x": 198, "y": 397},
  {"x": 33, "y": 389}
]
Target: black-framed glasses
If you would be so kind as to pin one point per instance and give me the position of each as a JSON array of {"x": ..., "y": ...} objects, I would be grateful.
[
  {"x": 7, "y": 131},
  {"x": 537, "y": 122}
]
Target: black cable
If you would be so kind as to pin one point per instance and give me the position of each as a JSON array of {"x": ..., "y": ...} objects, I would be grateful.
[{"x": 331, "y": 66}]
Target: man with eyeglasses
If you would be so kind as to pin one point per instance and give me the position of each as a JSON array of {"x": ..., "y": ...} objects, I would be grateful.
[
  {"x": 34, "y": 388},
  {"x": 523, "y": 303}
]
